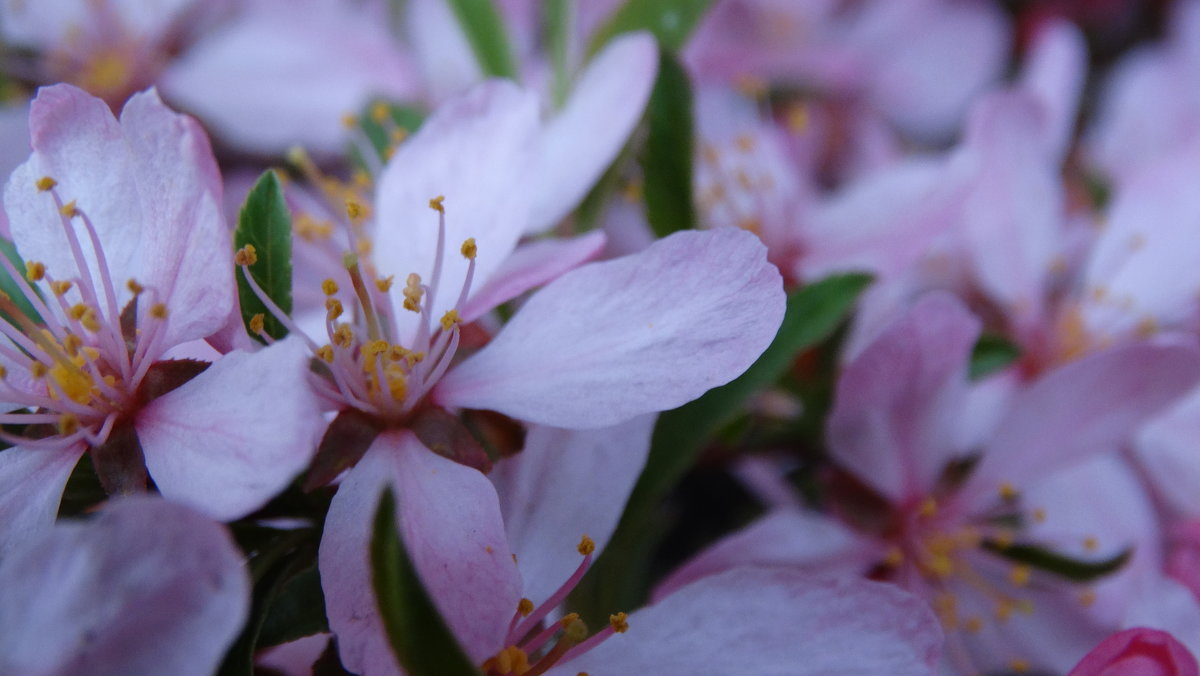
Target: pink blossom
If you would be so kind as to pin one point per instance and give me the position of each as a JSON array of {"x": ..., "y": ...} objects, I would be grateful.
[{"x": 1140, "y": 651}]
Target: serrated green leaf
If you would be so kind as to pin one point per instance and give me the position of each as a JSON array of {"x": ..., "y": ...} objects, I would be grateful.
[
  {"x": 671, "y": 21},
  {"x": 1058, "y": 564},
  {"x": 670, "y": 145},
  {"x": 419, "y": 636},
  {"x": 12, "y": 287},
  {"x": 487, "y": 35},
  {"x": 813, "y": 313},
  {"x": 990, "y": 354},
  {"x": 265, "y": 223}
]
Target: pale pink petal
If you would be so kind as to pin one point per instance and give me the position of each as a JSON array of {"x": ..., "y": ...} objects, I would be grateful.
[
  {"x": 51, "y": 25},
  {"x": 474, "y": 151},
  {"x": 275, "y": 77},
  {"x": 1088, "y": 407},
  {"x": 440, "y": 48},
  {"x": 531, "y": 266},
  {"x": 786, "y": 537},
  {"x": 294, "y": 658},
  {"x": 564, "y": 485},
  {"x": 579, "y": 142},
  {"x": 234, "y": 436},
  {"x": 773, "y": 621},
  {"x": 451, "y": 524},
  {"x": 1166, "y": 451},
  {"x": 898, "y": 404},
  {"x": 31, "y": 488},
  {"x": 1166, "y": 605},
  {"x": 146, "y": 587},
  {"x": 644, "y": 333},
  {"x": 1055, "y": 71}
]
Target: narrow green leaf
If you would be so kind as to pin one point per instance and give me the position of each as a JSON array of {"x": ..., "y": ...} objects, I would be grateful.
[
  {"x": 559, "y": 21},
  {"x": 813, "y": 314},
  {"x": 671, "y": 21},
  {"x": 992, "y": 353},
  {"x": 420, "y": 638},
  {"x": 298, "y": 610},
  {"x": 485, "y": 31},
  {"x": 1058, "y": 564},
  {"x": 667, "y": 156},
  {"x": 266, "y": 224},
  {"x": 12, "y": 287}
]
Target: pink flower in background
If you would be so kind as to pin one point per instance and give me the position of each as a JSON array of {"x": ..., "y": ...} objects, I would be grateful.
[
  {"x": 119, "y": 223},
  {"x": 145, "y": 586},
  {"x": 1139, "y": 651}
]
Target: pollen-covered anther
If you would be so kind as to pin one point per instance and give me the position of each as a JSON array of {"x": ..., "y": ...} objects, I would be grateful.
[
  {"x": 586, "y": 545},
  {"x": 619, "y": 622},
  {"x": 325, "y": 353},
  {"x": 1020, "y": 575},
  {"x": 45, "y": 183},
  {"x": 413, "y": 293},
  {"x": 257, "y": 323},
  {"x": 134, "y": 288},
  {"x": 511, "y": 660},
  {"x": 343, "y": 336},
  {"x": 158, "y": 311},
  {"x": 69, "y": 209},
  {"x": 450, "y": 320},
  {"x": 329, "y": 286},
  {"x": 469, "y": 249},
  {"x": 71, "y": 343},
  {"x": 355, "y": 211},
  {"x": 38, "y": 370},
  {"x": 928, "y": 508},
  {"x": 246, "y": 255},
  {"x": 333, "y": 308},
  {"x": 894, "y": 557},
  {"x": 67, "y": 424},
  {"x": 35, "y": 271},
  {"x": 1019, "y": 666},
  {"x": 384, "y": 284},
  {"x": 60, "y": 287},
  {"x": 1007, "y": 491},
  {"x": 349, "y": 120},
  {"x": 437, "y": 204},
  {"x": 524, "y": 607}
]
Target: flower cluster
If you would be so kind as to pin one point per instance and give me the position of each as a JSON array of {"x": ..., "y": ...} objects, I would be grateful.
[{"x": 614, "y": 337}]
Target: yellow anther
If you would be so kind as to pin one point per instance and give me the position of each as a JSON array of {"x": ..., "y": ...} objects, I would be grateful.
[
  {"x": 349, "y": 120},
  {"x": 38, "y": 370},
  {"x": 68, "y": 424},
  {"x": 744, "y": 142},
  {"x": 894, "y": 557},
  {"x": 343, "y": 336},
  {"x": 469, "y": 249},
  {"x": 72, "y": 343},
  {"x": 361, "y": 178},
  {"x": 413, "y": 292},
  {"x": 450, "y": 320},
  {"x": 928, "y": 508},
  {"x": 632, "y": 192},
  {"x": 384, "y": 284},
  {"x": 1147, "y": 327},
  {"x": 77, "y": 311},
  {"x": 1008, "y": 491},
  {"x": 568, "y": 619},
  {"x": 1087, "y": 597},
  {"x": 941, "y": 566},
  {"x": 355, "y": 211},
  {"x": 158, "y": 311},
  {"x": 524, "y": 607},
  {"x": 1090, "y": 543},
  {"x": 1019, "y": 666},
  {"x": 1020, "y": 575},
  {"x": 257, "y": 323},
  {"x": 363, "y": 246},
  {"x": 618, "y": 623},
  {"x": 973, "y": 624},
  {"x": 380, "y": 112},
  {"x": 333, "y": 308},
  {"x": 246, "y": 255},
  {"x": 398, "y": 135},
  {"x": 325, "y": 353},
  {"x": 797, "y": 118},
  {"x": 135, "y": 288},
  {"x": 586, "y": 546},
  {"x": 3, "y": 372},
  {"x": 329, "y": 286},
  {"x": 46, "y": 183},
  {"x": 35, "y": 271},
  {"x": 397, "y": 352},
  {"x": 397, "y": 386},
  {"x": 60, "y": 287},
  {"x": 1039, "y": 515},
  {"x": 1004, "y": 610},
  {"x": 69, "y": 210},
  {"x": 436, "y": 204}
]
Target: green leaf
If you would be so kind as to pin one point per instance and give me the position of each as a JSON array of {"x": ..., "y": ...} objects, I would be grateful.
[
  {"x": 12, "y": 287},
  {"x": 265, "y": 223},
  {"x": 992, "y": 353},
  {"x": 419, "y": 636},
  {"x": 485, "y": 31},
  {"x": 813, "y": 314},
  {"x": 671, "y": 21},
  {"x": 1058, "y": 564},
  {"x": 558, "y": 37},
  {"x": 298, "y": 610},
  {"x": 667, "y": 156},
  {"x": 381, "y": 121}
]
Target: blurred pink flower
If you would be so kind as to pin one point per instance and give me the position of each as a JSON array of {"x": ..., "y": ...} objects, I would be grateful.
[{"x": 1138, "y": 652}]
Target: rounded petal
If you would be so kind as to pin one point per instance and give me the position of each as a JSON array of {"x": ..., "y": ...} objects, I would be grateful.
[
  {"x": 530, "y": 266},
  {"x": 771, "y": 622},
  {"x": 1147, "y": 652},
  {"x": 644, "y": 333},
  {"x": 31, "y": 487},
  {"x": 234, "y": 436},
  {"x": 148, "y": 586}
]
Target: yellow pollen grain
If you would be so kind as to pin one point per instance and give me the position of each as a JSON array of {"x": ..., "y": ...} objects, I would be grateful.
[
  {"x": 69, "y": 210},
  {"x": 1008, "y": 491},
  {"x": 89, "y": 321},
  {"x": 1087, "y": 597},
  {"x": 744, "y": 142},
  {"x": 343, "y": 336},
  {"x": 246, "y": 255},
  {"x": 134, "y": 288},
  {"x": 1090, "y": 543},
  {"x": 973, "y": 624},
  {"x": 72, "y": 343},
  {"x": 928, "y": 508},
  {"x": 798, "y": 118},
  {"x": 1147, "y": 327},
  {"x": 333, "y": 308},
  {"x": 524, "y": 607},
  {"x": 1039, "y": 515},
  {"x": 361, "y": 179},
  {"x": 380, "y": 112},
  {"x": 586, "y": 546},
  {"x": 1019, "y": 666},
  {"x": 398, "y": 135},
  {"x": 329, "y": 286},
  {"x": 575, "y": 631},
  {"x": 68, "y": 424},
  {"x": 1003, "y": 539},
  {"x": 60, "y": 287},
  {"x": 437, "y": 204},
  {"x": 568, "y": 619},
  {"x": 355, "y": 211},
  {"x": 45, "y": 183},
  {"x": 450, "y": 320},
  {"x": 158, "y": 311},
  {"x": 3, "y": 372},
  {"x": 38, "y": 370},
  {"x": 35, "y": 271},
  {"x": 632, "y": 192},
  {"x": 384, "y": 284},
  {"x": 364, "y": 246},
  {"x": 618, "y": 623},
  {"x": 257, "y": 323},
  {"x": 894, "y": 557},
  {"x": 1020, "y": 575},
  {"x": 349, "y": 120},
  {"x": 325, "y": 353},
  {"x": 469, "y": 249}
]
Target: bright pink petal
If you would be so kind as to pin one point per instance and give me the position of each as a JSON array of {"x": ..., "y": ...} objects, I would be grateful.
[
  {"x": 1141, "y": 651},
  {"x": 564, "y": 485},
  {"x": 275, "y": 77},
  {"x": 773, "y": 621},
  {"x": 31, "y": 488},
  {"x": 146, "y": 587},
  {"x": 234, "y": 436},
  {"x": 1088, "y": 407},
  {"x": 450, "y": 520},
  {"x": 531, "y": 266},
  {"x": 584, "y": 137},
  {"x": 644, "y": 333},
  {"x": 898, "y": 403},
  {"x": 475, "y": 151},
  {"x": 786, "y": 537}
]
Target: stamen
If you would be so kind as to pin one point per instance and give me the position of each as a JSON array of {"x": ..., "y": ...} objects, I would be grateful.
[
  {"x": 35, "y": 271},
  {"x": 246, "y": 255},
  {"x": 45, "y": 183}
]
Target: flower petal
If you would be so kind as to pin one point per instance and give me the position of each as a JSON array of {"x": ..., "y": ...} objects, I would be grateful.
[
  {"x": 644, "y": 333},
  {"x": 530, "y": 266},
  {"x": 31, "y": 487}
]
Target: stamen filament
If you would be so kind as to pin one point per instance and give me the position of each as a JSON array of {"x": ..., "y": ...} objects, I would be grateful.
[
  {"x": 275, "y": 311},
  {"x": 551, "y": 603}
]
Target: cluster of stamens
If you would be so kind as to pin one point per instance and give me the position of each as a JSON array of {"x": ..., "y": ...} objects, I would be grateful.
[{"x": 529, "y": 651}]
